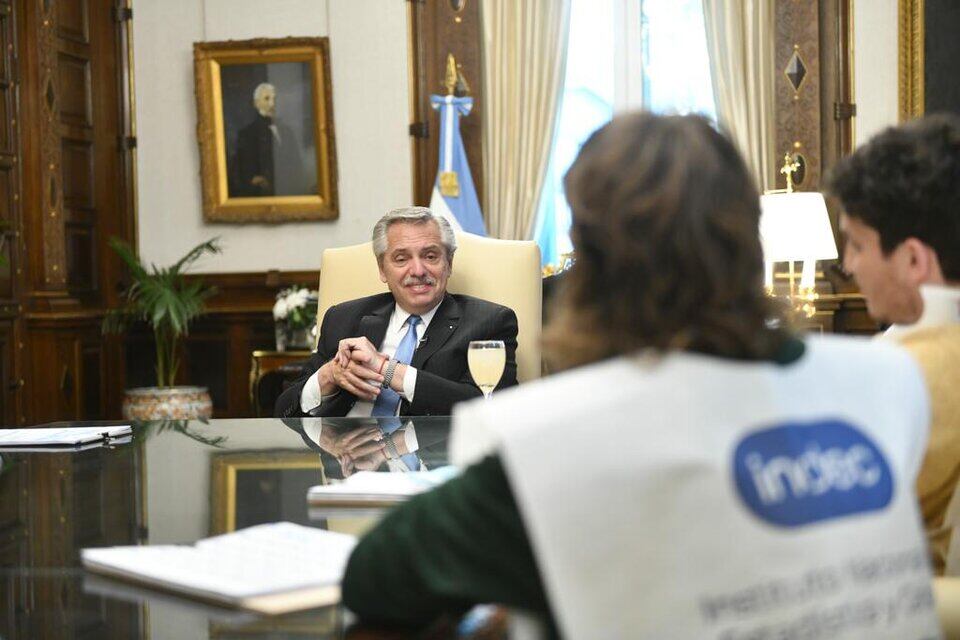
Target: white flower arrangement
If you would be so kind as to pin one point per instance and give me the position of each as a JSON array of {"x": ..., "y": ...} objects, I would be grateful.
[{"x": 296, "y": 307}]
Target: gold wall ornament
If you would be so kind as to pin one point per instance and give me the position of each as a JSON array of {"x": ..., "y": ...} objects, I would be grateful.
[
  {"x": 449, "y": 184},
  {"x": 227, "y": 115},
  {"x": 911, "y": 59}
]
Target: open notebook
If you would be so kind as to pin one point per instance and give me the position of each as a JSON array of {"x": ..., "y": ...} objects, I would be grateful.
[
  {"x": 378, "y": 489},
  {"x": 269, "y": 568}
]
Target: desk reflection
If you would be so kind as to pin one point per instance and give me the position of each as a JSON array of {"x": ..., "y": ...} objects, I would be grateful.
[{"x": 172, "y": 484}]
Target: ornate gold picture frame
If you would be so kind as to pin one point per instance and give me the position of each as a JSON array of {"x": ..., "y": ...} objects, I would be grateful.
[
  {"x": 248, "y": 486},
  {"x": 911, "y": 58},
  {"x": 265, "y": 130}
]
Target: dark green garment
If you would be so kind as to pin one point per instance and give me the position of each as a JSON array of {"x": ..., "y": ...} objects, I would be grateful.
[
  {"x": 445, "y": 551},
  {"x": 461, "y": 544}
]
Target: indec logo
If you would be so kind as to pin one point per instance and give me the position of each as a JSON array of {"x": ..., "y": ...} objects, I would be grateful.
[{"x": 795, "y": 474}]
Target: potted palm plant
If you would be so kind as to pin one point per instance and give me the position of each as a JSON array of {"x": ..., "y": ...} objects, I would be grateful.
[{"x": 164, "y": 299}]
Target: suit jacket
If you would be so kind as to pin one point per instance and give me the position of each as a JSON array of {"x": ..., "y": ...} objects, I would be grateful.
[
  {"x": 443, "y": 377},
  {"x": 260, "y": 154}
]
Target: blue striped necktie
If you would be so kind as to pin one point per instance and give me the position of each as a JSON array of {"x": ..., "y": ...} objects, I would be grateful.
[{"x": 387, "y": 401}]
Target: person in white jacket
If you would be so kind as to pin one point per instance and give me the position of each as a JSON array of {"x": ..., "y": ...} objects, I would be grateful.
[{"x": 696, "y": 470}]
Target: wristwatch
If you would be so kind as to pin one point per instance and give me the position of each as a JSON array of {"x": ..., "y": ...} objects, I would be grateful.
[
  {"x": 388, "y": 376},
  {"x": 392, "y": 453}
]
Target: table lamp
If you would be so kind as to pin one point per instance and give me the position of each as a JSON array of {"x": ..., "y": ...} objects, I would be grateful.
[{"x": 795, "y": 226}]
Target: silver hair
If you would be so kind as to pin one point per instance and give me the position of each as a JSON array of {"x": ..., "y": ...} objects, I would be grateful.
[
  {"x": 263, "y": 86},
  {"x": 412, "y": 215}
]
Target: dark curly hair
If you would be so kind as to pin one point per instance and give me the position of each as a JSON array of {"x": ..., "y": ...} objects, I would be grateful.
[
  {"x": 905, "y": 183},
  {"x": 665, "y": 228}
]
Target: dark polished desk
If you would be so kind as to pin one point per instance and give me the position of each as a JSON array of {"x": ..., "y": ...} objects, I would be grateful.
[{"x": 174, "y": 482}]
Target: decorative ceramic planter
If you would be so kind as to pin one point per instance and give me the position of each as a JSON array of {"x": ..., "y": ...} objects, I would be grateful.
[{"x": 171, "y": 403}]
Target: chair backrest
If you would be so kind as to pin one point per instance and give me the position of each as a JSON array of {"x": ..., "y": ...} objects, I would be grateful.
[
  {"x": 503, "y": 271},
  {"x": 946, "y": 590}
]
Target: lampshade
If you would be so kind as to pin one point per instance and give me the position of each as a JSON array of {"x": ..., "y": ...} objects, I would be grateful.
[{"x": 796, "y": 226}]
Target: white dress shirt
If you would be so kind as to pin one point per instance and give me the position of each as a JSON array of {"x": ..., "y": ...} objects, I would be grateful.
[
  {"x": 941, "y": 305},
  {"x": 310, "y": 397}
]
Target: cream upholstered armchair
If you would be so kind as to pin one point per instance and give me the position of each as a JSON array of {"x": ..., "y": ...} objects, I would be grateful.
[
  {"x": 503, "y": 271},
  {"x": 946, "y": 590}
]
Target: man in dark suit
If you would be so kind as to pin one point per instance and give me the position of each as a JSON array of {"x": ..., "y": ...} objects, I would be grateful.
[
  {"x": 268, "y": 160},
  {"x": 405, "y": 351}
]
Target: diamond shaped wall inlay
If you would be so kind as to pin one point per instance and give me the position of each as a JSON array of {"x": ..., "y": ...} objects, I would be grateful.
[
  {"x": 50, "y": 95},
  {"x": 796, "y": 71}
]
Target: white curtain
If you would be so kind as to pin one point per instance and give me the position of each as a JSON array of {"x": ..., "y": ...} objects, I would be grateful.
[
  {"x": 524, "y": 57},
  {"x": 740, "y": 36}
]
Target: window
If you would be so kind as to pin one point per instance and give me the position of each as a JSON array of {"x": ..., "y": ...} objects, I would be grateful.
[{"x": 622, "y": 54}]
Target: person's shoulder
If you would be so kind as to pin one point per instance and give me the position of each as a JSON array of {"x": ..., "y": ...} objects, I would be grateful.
[
  {"x": 474, "y": 304},
  {"x": 856, "y": 351},
  {"x": 870, "y": 363},
  {"x": 939, "y": 337},
  {"x": 560, "y": 393},
  {"x": 570, "y": 396},
  {"x": 360, "y": 305},
  {"x": 936, "y": 349}
]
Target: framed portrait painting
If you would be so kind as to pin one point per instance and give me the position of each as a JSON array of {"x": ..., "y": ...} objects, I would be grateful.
[
  {"x": 265, "y": 129},
  {"x": 255, "y": 487}
]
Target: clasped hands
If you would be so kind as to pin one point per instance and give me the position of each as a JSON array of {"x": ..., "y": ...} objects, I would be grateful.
[
  {"x": 358, "y": 368},
  {"x": 365, "y": 449}
]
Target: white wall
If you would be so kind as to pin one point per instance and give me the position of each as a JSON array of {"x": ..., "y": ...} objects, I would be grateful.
[
  {"x": 368, "y": 51},
  {"x": 874, "y": 66}
]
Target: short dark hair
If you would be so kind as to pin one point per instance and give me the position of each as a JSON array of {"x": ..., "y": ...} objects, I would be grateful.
[
  {"x": 666, "y": 233},
  {"x": 905, "y": 183}
]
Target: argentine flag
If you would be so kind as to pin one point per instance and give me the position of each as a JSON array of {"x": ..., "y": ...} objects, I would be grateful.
[{"x": 454, "y": 196}]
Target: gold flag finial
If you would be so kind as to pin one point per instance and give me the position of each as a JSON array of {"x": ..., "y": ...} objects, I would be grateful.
[{"x": 450, "y": 79}]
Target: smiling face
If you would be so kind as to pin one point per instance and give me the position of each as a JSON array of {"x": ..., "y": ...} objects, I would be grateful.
[
  {"x": 415, "y": 266},
  {"x": 888, "y": 282}
]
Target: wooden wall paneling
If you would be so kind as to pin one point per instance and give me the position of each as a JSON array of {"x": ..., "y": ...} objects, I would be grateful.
[
  {"x": 50, "y": 269},
  {"x": 13, "y": 546},
  {"x": 115, "y": 211},
  {"x": 9, "y": 378},
  {"x": 65, "y": 369},
  {"x": 797, "y": 105},
  {"x": 11, "y": 226},
  {"x": 74, "y": 83},
  {"x": 836, "y": 81},
  {"x": 207, "y": 358},
  {"x": 217, "y": 355},
  {"x": 438, "y": 28},
  {"x": 51, "y": 542},
  {"x": 252, "y": 292},
  {"x": 836, "y": 100},
  {"x": 71, "y": 501}
]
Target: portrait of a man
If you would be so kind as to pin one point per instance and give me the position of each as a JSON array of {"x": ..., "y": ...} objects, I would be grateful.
[
  {"x": 265, "y": 130},
  {"x": 268, "y": 118}
]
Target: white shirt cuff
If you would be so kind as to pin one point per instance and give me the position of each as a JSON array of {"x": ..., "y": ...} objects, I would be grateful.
[
  {"x": 409, "y": 383},
  {"x": 310, "y": 397},
  {"x": 410, "y": 438}
]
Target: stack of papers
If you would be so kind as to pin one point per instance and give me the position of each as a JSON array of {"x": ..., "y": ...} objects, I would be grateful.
[
  {"x": 377, "y": 489},
  {"x": 270, "y": 568},
  {"x": 47, "y": 437}
]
